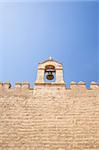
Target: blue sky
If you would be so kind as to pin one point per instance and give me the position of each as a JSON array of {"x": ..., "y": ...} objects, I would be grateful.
[{"x": 32, "y": 31}]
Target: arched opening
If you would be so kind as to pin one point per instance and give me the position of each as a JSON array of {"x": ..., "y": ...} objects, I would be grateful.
[{"x": 50, "y": 73}]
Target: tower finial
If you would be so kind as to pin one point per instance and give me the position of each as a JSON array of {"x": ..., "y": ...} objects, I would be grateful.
[{"x": 50, "y": 58}]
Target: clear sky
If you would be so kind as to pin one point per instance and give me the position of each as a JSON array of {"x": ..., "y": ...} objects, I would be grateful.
[{"x": 32, "y": 31}]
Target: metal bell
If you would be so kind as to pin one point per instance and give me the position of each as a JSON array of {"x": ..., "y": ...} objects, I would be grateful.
[{"x": 49, "y": 75}]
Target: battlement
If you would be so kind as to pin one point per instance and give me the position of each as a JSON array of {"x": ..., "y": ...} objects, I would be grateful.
[
  {"x": 26, "y": 85},
  {"x": 49, "y": 76},
  {"x": 18, "y": 85}
]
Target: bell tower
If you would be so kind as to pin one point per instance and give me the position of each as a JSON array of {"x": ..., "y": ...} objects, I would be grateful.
[{"x": 50, "y": 73}]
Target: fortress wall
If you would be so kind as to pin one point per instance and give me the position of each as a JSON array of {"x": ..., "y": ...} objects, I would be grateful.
[{"x": 50, "y": 118}]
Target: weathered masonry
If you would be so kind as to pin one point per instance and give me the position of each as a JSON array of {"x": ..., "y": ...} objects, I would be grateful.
[{"x": 49, "y": 116}]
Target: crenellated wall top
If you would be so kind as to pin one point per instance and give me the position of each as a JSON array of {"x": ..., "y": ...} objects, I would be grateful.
[{"x": 26, "y": 85}]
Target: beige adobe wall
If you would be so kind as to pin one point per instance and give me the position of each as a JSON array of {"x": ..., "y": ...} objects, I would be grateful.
[{"x": 49, "y": 118}]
